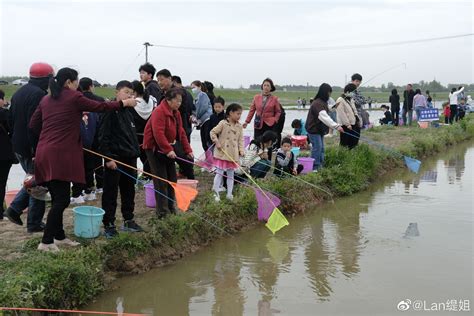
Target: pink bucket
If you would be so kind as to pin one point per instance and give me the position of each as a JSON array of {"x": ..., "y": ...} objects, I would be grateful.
[
  {"x": 150, "y": 195},
  {"x": 307, "y": 163},
  {"x": 190, "y": 183},
  {"x": 246, "y": 141}
]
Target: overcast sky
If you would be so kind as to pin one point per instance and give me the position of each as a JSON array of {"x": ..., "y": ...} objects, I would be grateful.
[{"x": 103, "y": 39}]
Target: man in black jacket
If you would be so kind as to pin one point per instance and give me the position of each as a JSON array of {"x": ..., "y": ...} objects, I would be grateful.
[
  {"x": 408, "y": 96},
  {"x": 23, "y": 104},
  {"x": 187, "y": 106},
  {"x": 118, "y": 140},
  {"x": 147, "y": 72}
]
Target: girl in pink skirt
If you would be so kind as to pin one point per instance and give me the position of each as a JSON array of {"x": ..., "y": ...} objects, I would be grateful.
[{"x": 228, "y": 136}]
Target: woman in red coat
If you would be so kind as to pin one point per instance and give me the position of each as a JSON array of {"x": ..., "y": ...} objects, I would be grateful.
[
  {"x": 266, "y": 108},
  {"x": 59, "y": 157},
  {"x": 164, "y": 140}
]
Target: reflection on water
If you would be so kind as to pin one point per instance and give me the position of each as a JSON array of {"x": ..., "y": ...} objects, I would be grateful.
[{"x": 360, "y": 255}]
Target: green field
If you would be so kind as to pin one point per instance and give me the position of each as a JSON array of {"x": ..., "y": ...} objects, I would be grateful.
[{"x": 245, "y": 96}]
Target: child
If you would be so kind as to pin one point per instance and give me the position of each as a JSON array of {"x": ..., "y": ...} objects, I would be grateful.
[
  {"x": 462, "y": 108},
  {"x": 285, "y": 160},
  {"x": 228, "y": 136},
  {"x": 118, "y": 140},
  {"x": 257, "y": 156},
  {"x": 89, "y": 126},
  {"x": 298, "y": 125},
  {"x": 218, "y": 115},
  {"x": 388, "y": 119},
  {"x": 446, "y": 112}
]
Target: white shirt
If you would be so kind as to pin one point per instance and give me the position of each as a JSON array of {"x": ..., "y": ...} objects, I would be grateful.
[{"x": 453, "y": 97}]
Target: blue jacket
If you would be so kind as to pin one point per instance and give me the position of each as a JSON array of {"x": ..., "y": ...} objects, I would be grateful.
[
  {"x": 89, "y": 130},
  {"x": 203, "y": 107}
]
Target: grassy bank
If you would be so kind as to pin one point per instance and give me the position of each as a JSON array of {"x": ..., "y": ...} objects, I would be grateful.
[{"x": 72, "y": 278}]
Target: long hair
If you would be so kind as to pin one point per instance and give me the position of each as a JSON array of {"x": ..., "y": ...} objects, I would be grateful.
[
  {"x": 56, "y": 84},
  {"x": 324, "y": 92},
  {"x": 140, "y": 90}
]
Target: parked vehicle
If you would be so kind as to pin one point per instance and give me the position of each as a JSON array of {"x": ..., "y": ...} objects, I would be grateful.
[{"x": 19, "y": 82}]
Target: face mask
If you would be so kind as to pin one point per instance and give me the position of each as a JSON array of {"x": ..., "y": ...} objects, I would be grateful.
[{"x": 195, "y": 90}]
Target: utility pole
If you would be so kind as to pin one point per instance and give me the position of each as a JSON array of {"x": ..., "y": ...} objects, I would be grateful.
[
  {"x": 307, "y": 87},
  {"x": 146, "y": 50}
]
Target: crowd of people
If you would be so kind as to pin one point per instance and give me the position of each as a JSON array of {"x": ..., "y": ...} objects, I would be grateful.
[{"x": 73, "y": 136}]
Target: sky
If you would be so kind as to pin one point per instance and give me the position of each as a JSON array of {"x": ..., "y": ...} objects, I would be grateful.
[{"x": 104, "y": 39}]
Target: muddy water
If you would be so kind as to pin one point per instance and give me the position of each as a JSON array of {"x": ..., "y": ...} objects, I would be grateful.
[{"x": 360, "y": 256}]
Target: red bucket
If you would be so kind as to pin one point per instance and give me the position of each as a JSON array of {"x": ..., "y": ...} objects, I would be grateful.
[{"x": 299, "y": 141}]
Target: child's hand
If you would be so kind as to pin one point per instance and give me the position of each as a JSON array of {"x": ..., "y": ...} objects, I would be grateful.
[
  {"x": 218, "y": 145},
  {"x": 294, "y": 172},
  {"x": 241, "y": 153},
  {"x": 111, "y": 165},
  {"x": 288, "y": 154}
]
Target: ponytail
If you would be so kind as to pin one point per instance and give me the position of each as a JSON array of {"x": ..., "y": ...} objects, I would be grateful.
[
  {"x": 56, "y": 84},
  {"x": 140, "y": 90}
]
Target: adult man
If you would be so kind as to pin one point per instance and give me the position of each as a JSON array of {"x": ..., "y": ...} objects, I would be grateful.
[
  {"x": 359, "y": 99},
  {"x": 147, "y": 72},
  {"x": 165, "y": 83},
  {"x": 408, "y": 96},
  {"x": 23, "y": 104}
]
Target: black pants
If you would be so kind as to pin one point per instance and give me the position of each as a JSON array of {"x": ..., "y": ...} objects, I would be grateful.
[
  {"x": 205, "y": 137},
  {"x": 89, "y": 168},
  {"x": 165, "y": 168},
  {"x": 5, "y": 166},
  {"x": 396, "y": 115},
  {"x": 186, "y": 168},
  {"x": 350, "y": 138},
  {"x": 261, "y": 131},
  {"x": 454, "y": 112},
  {"x": 113, "y": 181},
  {"x": 60, "y": 197}
]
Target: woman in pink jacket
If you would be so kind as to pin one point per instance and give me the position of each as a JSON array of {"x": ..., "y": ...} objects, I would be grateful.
[{"x": 266, "y": 108}]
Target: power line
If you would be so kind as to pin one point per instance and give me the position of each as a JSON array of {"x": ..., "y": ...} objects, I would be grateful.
[{"x": 311, "y": 49}]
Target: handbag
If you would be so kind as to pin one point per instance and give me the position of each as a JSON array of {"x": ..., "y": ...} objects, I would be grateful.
[{"x": 258, "y": 118}]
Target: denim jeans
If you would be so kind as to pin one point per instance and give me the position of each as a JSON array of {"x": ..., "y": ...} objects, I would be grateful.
[
  {"x": 418, "y": 110},
  {"x": 317, "y": 151},
  {"x": 260, "y": 168},
  {"x": 23, "y": 199},
  {"x": 404, "y": 116}
]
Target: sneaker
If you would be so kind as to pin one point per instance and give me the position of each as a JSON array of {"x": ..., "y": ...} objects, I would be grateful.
[
  {"x": 221, "y": 189},
  {"x": 230, "y": 197},
  {"x": 90, "y": 196},
  {"x": 131, "y": 226},
  {"x": 13, "y": 216},
  {"x": 217, "y": 197},
  {"x": 110, "y": 232},
  {"x": 99, "y": 191},
  {"x": 48, "y": 247},
  {"x": 78, "y": 200},
  {"x": 37, "y": 229},
  {"x": 66, "y": 242}
]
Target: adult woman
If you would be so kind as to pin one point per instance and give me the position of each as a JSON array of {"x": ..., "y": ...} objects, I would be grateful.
[
  {"x": 267, "y": 110},
  {"x": 348, "y": 117},
  {"x": 318, "y": 123},
  {"x": 59, "y": 158},
  {"x": 394, "y": 100},
  {"x": 419, "y": 102},
  {"x": 164, "y": 140},
  {"x": 203, "y": 111}
]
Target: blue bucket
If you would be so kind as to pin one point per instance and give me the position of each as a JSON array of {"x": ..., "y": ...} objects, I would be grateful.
[
  {"x": 87, "y": 221},
  {"x": 295, "y": 151}
]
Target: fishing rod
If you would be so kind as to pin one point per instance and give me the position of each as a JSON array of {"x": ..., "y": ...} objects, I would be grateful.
[{"x": 381, "y": 73}]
